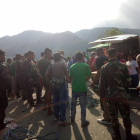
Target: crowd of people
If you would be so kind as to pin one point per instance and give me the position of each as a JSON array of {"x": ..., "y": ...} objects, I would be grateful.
[{"x": 23, "y": 76}]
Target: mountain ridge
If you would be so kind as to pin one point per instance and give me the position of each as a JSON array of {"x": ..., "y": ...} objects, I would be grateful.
[{"x": 68, "y": 41}]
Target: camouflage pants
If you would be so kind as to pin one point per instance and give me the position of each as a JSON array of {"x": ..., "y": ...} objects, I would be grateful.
[
  {"x": 2, "y": 115},
  {"x": 30, "y": 90},
  {"x": 123, "y": 106},
  {"x": 18, "y": 85},
  {"x": 38, "y": 90},
  {"x": 13, "y": 85}
]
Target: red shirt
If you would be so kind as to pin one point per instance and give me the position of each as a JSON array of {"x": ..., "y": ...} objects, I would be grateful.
[
  {"x": 90, "y": 63},
  {"x": 123, "y": 60}
]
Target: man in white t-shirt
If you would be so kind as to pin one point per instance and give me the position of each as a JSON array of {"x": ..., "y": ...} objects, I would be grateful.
[{"x": 133, "y": 71}]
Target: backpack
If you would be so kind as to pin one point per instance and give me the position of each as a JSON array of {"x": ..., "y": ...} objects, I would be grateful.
[{"x": 55, "y": 82}]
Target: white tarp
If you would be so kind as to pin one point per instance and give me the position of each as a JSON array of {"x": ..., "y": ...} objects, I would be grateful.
[{"x": 114, "y": 39}]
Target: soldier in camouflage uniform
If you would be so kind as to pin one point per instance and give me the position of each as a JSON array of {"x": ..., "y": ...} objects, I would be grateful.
[
  {"x": 30, "y": 79},
  {"x": 24, "y": 97},
  {"x": 113, "y": 83},
  {"x": 9, "y": 62},
  {"x": 18, "y": 63},
  {"x": 5, "y": 84}
]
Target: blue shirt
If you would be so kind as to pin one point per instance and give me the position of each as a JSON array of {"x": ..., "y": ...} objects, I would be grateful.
[{"x": 69, "y": 64}]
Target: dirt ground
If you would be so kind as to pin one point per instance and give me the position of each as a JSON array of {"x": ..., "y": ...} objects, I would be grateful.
[{"x": 37, "y": 121}]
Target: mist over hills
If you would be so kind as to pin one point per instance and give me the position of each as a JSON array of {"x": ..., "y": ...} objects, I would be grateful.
[
  {"x": 67, "y": 41},
  {"x": 92, "y": 34},
  {"x": 37, "y": 41}
]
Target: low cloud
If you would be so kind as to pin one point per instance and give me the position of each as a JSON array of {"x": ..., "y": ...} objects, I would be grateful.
[{"x": 129, "y": 16}]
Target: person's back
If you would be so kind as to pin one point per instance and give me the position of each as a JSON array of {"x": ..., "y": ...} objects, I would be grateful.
[
  {"x": 55, "y": 77},
  {"x": 28, "y": 70},
  {"x": 9, "y": 61},
  {"x": 59, "y": 69},
  {"x": 25, "y": 75},
  {"x": 18, "y": 64},
  {"x": 5, "y": 80},
  {"x": 5, "y": 84},
  {"x": 115, "y": 79},
  {"x": 12, "y": 68},
  {"x": 100, "y": 61},
  {"x": 43, "y": 65},
  {"x": 79, "y": 72}
]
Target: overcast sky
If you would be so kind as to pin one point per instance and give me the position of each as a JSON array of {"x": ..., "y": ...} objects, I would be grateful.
[{"x": 61, "y": 15}]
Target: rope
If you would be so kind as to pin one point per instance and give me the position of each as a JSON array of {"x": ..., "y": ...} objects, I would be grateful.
[{"x": 21, "y": 133}]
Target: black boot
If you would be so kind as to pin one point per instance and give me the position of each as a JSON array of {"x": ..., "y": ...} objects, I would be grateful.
[
  {"x": 2, "y": 126},
  {"x": 117, "y": 135},
  {"x": 129, "y": 135},
  {"x": 39, "y": 101},
  {"x": 32, "y": 104}
]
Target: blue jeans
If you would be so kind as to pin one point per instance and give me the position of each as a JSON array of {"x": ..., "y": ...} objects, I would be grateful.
[
  {"x": 134, "y": 83},
  {"x": 82, "y": 98},
  {"x": 135, "y": 80},
  {"x": 67, "y": 97},
  {"x": 59, "y": 101}
]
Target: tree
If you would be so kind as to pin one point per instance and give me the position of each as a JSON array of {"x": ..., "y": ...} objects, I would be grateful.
[{"x": 111, "y": 32}]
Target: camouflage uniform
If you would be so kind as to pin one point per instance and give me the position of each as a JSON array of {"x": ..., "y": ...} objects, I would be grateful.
[
  {"x": 5, "y": 84},
  {"x": 8, "y": 68},
  {"x": 114, "y": 81},
  {"x": 18, "y": 76},
  {"x": 43, "y": 65},
  {"x": 28, "y": 70}
]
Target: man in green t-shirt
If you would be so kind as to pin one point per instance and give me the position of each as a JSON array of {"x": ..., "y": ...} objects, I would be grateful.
[{"x": 79, "y": 74}]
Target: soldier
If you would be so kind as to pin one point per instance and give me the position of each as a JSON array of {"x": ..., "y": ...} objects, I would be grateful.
[
  {"x": 18, "y": 63},
  {"x": 22, "y": 58},
  {"x": 23, "y": 88},
  {"x": 12, "y": 68},
  {"x": 9, "y": 62},
  {"x": 30, "y": 79},
  {"x": 25, "y": 55},
  {"x": 43, "y": 64},
  {"x": 42, "y": 54},
  {"x": 5, "y": 84},
  {"x": 100, "y": 61},
  {"x": 113, "y": 83}
]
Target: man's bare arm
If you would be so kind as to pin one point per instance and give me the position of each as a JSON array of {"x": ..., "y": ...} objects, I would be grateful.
[
  {"x": 138, "y": 70},
  {"x": 66, "y": 73},
  {"x": 96, "y": 77},
  {"x": 47, "y": 75},
  {"x": 88, "y": 78}
]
